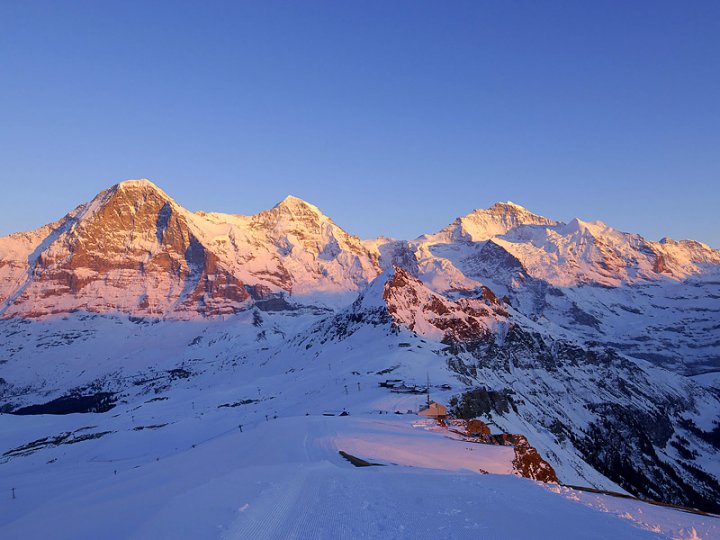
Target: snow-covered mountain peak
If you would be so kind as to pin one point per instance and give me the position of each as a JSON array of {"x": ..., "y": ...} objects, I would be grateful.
[
  {"x": 681, "y": 257},
  {"x": 592, "y": 228},
  {"x": 125, "y": 205},
  {"x": 292, "y": 214},
  {"x": 506, "y": 206},
  {"x": 137, "y": 183},
  {"x": 693, "y": 245},
  {"x": 485, "y": 223},
  {"x": 294, "y": 206},
  {"x": 511, "y": 214},
  {"x": 296, "y": 226},
  {"x": 133, "y": 249},
  {"x": 291, "y": 201},
  {"x": 127, "y": 213},
  {"x": 134, "y": 193}
]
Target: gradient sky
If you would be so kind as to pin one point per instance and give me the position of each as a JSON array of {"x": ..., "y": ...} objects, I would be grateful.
[{"x": 394, "y": 117}]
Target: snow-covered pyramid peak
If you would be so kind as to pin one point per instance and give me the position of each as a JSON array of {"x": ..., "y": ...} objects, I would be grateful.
[
  {"x": 133, "y": 215},
  {"x": 292, "y": 204},
  {"x": 292, "y": 215},
  {"x": 139, "y": 189},
  {"x": 137, "y": 183},
  {"x": 295, "y": 218},
  {"x": 296, "y": 224},
  {"x": 485, "y": 223},
  {"x": 127, "y": 198}
]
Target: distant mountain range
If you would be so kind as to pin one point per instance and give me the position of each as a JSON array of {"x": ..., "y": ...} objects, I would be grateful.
[
  {"x": 601, "y": 347},
  {"x": 134, "y": 250}
]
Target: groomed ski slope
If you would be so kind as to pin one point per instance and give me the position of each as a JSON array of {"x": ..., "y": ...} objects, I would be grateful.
[{"x": 199, "y": 477}]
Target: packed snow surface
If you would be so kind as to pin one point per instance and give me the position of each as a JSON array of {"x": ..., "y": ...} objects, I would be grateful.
[{"x": 201, "y": 477}]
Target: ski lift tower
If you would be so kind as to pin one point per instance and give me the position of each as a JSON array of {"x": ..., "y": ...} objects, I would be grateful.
[{"x": 427, "y": 389}]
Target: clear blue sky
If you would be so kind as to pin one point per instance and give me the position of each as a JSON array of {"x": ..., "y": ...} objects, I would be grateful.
[{"x": 392, "y": 117}]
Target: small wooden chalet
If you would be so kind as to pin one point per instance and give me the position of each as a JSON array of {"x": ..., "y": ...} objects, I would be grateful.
[{"x": 434, "y": 410}]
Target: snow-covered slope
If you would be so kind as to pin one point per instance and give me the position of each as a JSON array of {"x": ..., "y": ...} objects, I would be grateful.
[
  {"x": 211, "y": 417},
  {"x": 202, "y": 478}
]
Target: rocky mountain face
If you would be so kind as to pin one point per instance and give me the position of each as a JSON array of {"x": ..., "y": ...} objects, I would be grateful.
[
  {"x": 602, "y": 348},
  {"x": 134, "y": 250},
  {"x": 411, "y": 304},
  {"x": 131, "y": 249},
  {"x": 630, "y": 423}
]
